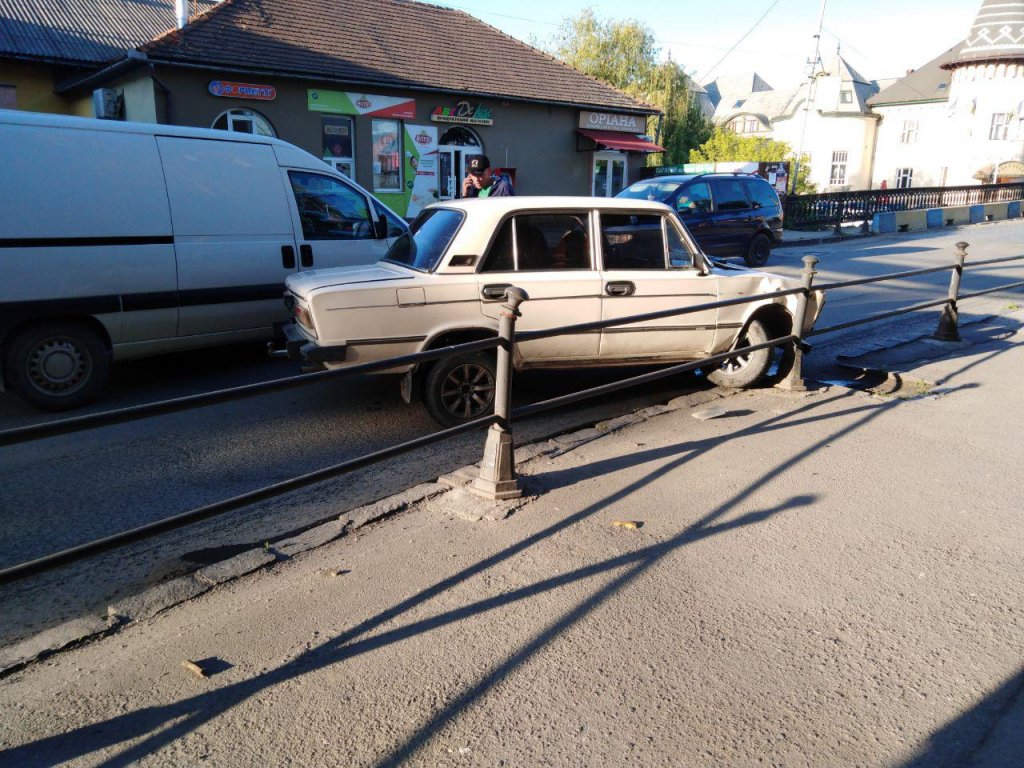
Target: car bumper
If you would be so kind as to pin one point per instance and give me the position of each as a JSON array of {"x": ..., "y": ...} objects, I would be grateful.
[{"x": 295, "y": 345}]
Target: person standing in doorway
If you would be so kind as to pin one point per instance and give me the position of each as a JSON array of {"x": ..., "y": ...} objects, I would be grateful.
[{"x": 481, "y": 181}]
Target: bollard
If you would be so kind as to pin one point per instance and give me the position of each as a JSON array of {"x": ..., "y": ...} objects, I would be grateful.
[
  {"x": 497, "y": 479},
  {"x": 948, "y": 321},
  {"x": 794, "y": 381}
]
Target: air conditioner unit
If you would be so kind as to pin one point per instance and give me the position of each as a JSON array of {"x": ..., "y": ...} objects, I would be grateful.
[{"x": 107, "y": 104}]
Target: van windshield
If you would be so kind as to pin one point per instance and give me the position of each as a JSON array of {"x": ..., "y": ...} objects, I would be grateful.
[{"x": 427, "y": 240}]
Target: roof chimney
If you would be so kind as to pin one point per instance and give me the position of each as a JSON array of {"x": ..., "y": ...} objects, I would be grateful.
[{"x": 181, "y": 12}]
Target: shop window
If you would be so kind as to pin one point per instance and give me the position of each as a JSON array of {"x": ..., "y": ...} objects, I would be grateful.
[
  {"x": 244, "y": 121},
  {"x": 338, "y": 144},
  {"x": 387, "y": 156},
  {"x": 329, "y": 209},
  {"x": 837, "y": 178},
  {"x": 7, "y": 97},
  {"x": 459, "y": 136}
]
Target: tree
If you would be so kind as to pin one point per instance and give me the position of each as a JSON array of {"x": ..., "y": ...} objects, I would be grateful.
[
  {"x": 725, "y": 146},
  {"x": 624, "y": 54}
]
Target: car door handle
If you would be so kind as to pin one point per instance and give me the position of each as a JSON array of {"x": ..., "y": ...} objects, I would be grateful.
[
  {"x": 495, "y": 292},
  {"x": 306, "y": 255},
  {"x": 620, "y": 289},
  {"x": 287, "y": 257}
]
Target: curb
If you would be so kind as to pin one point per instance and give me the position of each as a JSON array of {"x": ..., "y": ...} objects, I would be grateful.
[{"x": 157, "y": 599}]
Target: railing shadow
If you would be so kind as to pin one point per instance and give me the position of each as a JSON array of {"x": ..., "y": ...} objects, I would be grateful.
[{"x": 159, "y": 726}]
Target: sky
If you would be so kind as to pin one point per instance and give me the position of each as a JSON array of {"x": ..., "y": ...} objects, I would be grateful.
[{"x": 879, "y": 38}]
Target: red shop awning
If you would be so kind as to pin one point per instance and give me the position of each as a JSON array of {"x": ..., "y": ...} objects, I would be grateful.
[{"x": 627, "y": 142}]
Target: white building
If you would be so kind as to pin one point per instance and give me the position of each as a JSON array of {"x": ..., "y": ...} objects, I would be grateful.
[
  {"x": 959, "y": 119},
  {"x": 828, "y": 117}
]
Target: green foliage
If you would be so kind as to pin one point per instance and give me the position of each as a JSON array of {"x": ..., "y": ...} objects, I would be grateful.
[
  {"x": 726, "y": 146},
  {"x": 625, "y": 54}
]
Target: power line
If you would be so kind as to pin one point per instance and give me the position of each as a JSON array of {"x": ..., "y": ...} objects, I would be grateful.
[{"x": 744, "y": 37}]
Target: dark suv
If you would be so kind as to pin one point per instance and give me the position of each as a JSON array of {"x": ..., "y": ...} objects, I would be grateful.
[{"x": 727, "y": 214}]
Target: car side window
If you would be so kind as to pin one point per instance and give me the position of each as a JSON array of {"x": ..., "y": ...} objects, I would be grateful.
[
  {"x": 396, "y": 227},
  {"x": 679, "y": 254},
  {"x": 329, "y": 209},
  {"x": 730, "y": 195},
  {"x": 696, "y": 198},
  {"x": 632, "y": 241},
  {"x": 540, "y": 243},
  {"x": 762, "y": 194}
]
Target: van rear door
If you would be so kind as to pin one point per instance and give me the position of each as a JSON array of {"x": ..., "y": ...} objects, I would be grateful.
[
  {"x": 333, "y": 220},
  {"x": 232, "y": 233}
]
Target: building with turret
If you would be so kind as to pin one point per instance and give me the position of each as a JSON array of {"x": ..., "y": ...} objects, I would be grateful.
[{"x": 959, "y": 119}]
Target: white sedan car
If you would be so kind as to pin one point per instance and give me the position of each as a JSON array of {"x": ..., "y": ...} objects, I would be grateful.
[{"x": 579, "y": 259}]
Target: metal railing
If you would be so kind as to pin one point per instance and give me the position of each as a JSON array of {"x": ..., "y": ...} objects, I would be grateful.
[
  {"x": 497, "y": 478},
  {"x": 833, "y": 208}
]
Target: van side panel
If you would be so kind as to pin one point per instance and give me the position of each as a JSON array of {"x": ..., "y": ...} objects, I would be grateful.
[
  {"x": 85, "y": 230},
  {"x": 231, "y": 220}
]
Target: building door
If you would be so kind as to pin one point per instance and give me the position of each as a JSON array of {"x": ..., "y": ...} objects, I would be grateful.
[
  {"x": 609, "y": 173},
  {"x": 455, "y": 145}
]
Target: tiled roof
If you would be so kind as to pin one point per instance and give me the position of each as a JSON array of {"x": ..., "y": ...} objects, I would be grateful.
[
  {"x": 398, "y": 43},
  {"x": 83, "y": 32},
  {"x": 928, "y": 83},
  {"x": 997, "y": 33}
]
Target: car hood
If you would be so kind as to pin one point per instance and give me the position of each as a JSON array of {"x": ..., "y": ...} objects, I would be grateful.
[{"x": 302, "y": 283}]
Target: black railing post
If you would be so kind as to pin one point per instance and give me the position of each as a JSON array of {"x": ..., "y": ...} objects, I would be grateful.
[
  {"x": 497, "y": 479},
  {"x": 947, "y": 329},
  {"x": 794, "y": 379}
]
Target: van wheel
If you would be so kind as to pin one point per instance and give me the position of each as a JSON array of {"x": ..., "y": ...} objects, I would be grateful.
[
  {"x": 745, "y": 370},
  {"x": 57, "y": 366},
  {"x": 759, "y": 251},
  {"x": 459, "y": 389}
]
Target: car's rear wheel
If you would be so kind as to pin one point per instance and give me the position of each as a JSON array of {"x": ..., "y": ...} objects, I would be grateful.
[
  {"x": 759, "y": 251},
  {"x": 746, "y": 369},
  {"x": 460, "y": 389},
  {"x": 57, "y": 366}
]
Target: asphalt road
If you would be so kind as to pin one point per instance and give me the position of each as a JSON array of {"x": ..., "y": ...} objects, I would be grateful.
[{"x": 61, "y": 492}]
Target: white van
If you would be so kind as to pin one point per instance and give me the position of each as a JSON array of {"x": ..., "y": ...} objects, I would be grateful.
[{"x": 122, "y": 240}]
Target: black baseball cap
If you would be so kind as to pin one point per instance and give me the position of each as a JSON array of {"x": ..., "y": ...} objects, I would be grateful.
[{"x": 478, "y": 164}]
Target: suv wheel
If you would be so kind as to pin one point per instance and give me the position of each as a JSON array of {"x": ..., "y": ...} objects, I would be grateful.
[
  {"x": 460, "y": 389},
  {"x": 759, "y": 251},
  {"x": 746, "y": 369}
]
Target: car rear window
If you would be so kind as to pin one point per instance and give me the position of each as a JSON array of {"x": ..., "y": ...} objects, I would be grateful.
[
  {"x": 541, "y": 243},
  {"x": 761, "y": 192},
  {"x": 429, "y": 236}
]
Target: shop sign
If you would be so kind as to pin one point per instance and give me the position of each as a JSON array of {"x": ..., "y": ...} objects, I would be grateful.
[
  {"x": 354, "y": 103},
  {"x": 463, "y": 112},
  {"x": 1010, "y": 168},
  {"x": 611, "y": 121},
  {"x": 231, "y": 90}
]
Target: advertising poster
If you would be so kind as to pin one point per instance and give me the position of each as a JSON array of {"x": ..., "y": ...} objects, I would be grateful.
[
  {"x": 345, "y": 103},
  {"x": 421, "y": 167}
]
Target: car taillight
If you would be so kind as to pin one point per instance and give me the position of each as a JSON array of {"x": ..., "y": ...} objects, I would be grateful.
[{"x": 303, "y": 318}]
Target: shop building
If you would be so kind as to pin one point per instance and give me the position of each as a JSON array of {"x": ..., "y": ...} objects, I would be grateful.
[{"x": 394, "y": 93}]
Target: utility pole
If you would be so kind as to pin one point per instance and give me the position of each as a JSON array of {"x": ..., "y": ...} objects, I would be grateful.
[{"x": 814, "y": 70}]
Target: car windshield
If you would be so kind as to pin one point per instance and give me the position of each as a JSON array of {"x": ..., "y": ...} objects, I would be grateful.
[
  {"x": 423, "y": 246},
  {"x": 653, "y": 189}
]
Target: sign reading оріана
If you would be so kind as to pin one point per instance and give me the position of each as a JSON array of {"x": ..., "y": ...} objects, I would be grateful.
[{"x": 613, "y": 121}]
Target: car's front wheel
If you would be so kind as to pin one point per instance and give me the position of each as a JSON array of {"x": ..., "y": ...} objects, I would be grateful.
[
  {"x": 745, "y": 369},
  {"x": 759, "y": 251},
  {"x": 460, "y": 389}
]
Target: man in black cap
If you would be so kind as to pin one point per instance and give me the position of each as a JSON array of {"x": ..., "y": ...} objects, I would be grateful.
[{"x": 480, "y": 180}]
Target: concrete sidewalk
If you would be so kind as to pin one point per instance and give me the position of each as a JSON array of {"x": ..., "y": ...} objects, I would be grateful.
[{"x": 827, "y": 578}]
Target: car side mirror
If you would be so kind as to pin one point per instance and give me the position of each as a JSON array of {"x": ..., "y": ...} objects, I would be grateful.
[{"x": 380, "y": 228}]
